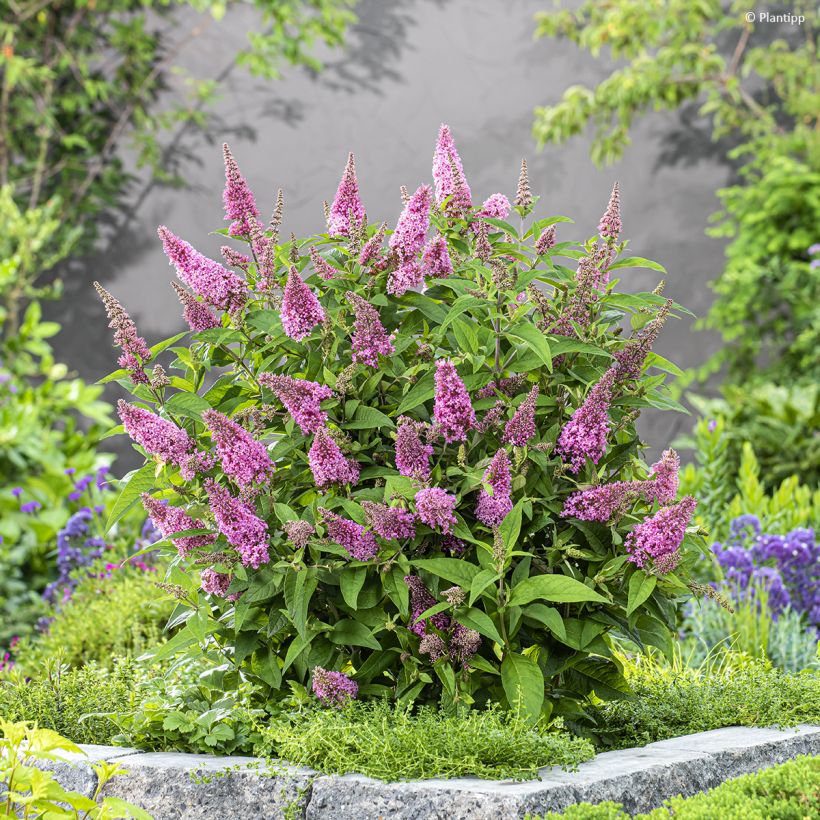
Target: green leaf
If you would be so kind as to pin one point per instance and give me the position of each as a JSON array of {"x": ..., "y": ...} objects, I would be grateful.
[
  {"x": 353, "y": 633},
  {"x": 454, "y": 570},
  {"x": 535, "y": 340},
  {"x": 187, "y": 404},
  {"x": 142, "y": 481},
  {"x": 284, "y": 513},
  {"x": 523, "y": 684},
  {"x": 641, "y": 586},
  {"x": 159, "y": 347},
  {"x": 462, "y": 304},
  {"x": 549, "y": 616},
  {"x": 558, "y": 588},
  {"x": 637, "y": 262},
  {"x": 560, "y": 346},
  {"x": 366, "y": 418},
  {"x": 351, "y": 581},
  {"x": 481, "y": 582},
  {"x": 421, "y": 391},
  {"x": 510, "y": 527},
  {"x": 479, "y": 620}
]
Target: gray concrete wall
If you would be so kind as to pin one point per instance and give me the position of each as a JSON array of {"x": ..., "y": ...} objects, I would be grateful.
[{"x": 409, "y": 66}]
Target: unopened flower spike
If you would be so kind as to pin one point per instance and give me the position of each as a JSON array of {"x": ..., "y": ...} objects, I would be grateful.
[
  {"x": 448, "y": 174},
  {"x": 240, "y": 205},
  {"x": 323, "y": 269},
  {"x": 609, "y": 227},
  {"x": 276, "y": 218},
  {"x": 135, "y": 351},
  {"x": 523, "y": 195}
]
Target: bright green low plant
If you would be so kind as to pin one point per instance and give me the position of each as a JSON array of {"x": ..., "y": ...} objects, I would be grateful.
[
  {"x": 789, "y": 791},
  {"x": 28, "y": 791},
  {"x": 411, "y": 471},
  {"x": 391, "y": 742}
]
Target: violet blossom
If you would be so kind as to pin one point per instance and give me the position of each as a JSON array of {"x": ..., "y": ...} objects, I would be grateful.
[
  {"x": 346, "y": 203},
  {"x": 238, "y": 522},
  {"x": 448, "y": 173},
  {"x": 300, "y": 311},
  {"x": 370, "y": 339},
  {"x": 452, "y": 411},
  {"x": 302, "y": 399},
  {"x": 491, "y": 510},
  {"x": 435, "y": 507},
  {"x": 244, "y": 459},
  {"x": 135, "y": 352},
  {"x": 240, "y": 206},
  {"x": 328, "y": 463},
  {"x": 412, "y": 454},
  {"x": 521, "y": 427},
  {"x": 659, "y": 538},
  {"x": 333, "y": 688},
  {"x": 357, "y": 541}
]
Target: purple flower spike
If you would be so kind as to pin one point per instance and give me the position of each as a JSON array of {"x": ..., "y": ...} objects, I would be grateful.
[
  {"x": 370, "y": 339},
  {"x": 448, "y": 173},
  {"x": 333, "y": 688},
  {"x": 328, "y": 464},
  {"x": 238, "y": 522},
  {"x": 243, "y": 458},
  {"x": 301, "y": 311},
  {"x": 420, "y": 601},
  {"x": 169, "y": 520},
  {"x": 659, "y": 538},
  {"x": 302, "y": 399},
  {"x": 434, "y": 507},
  {"x": 412, "y": 454},
  {"x": 354, "y": 538},
  {"x": 240, "y": 206},
  {"x": 452, "y": 411},
  {"x": 436, "y": 259},
  {"x": 346, "y": 201},
  {"x": 491, "y": 510},
  {"x": 411, "y": 229},
  {"x": 521, "y": 427},
  {"x": 610, "y": 225}
]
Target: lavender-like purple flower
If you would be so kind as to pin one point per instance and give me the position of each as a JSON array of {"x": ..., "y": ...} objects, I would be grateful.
[
  {"x": 240, "y": 206},
  {"x": 135, "y": 352},
  {"x": 521, "y": 427},
  {"x": 609, "y": 227},
  {"x": 584, "y": 435},
  {"x": 299, "y": 533},
  {"x": 420, "y": 601},
  {"x": 453, "y": 413},
  {"x": 496, "y": 206},
  {"x": 407, "y": 276},
  {"x": 323, "y": 268},
  {"x": 214, "y": 583},
  {"x": 354, "y": 538},
  {"x": 195, "y": 313},
  {"x": 169, "y": 520},
  {"x": 545, "y": 241},
  {"x": 333, "y": 688},
  {"x": 412, "y": 454},
  {"x": 218, "y": 286},
  {"x": 301, "y": 311},
  {"x": 30, "y": 507},
  {"x": 328, "y": 464},
  {"x": 411, "y": 229},
  {"x": 370, "y": 339},
  {"x": 391, "y": 523},
  {"x": 302, "y": 399},
  {"x": 244, "y": 459},
  {"x": 372, "y": 248},
  {"x": 659, "y": 538},
  {"x": 491, "y": 510},
  {"x": 435, "y": 507},
  {"x": 238, "y": 522},
  {"x": 436, "y": 261},
  {"x": 663, "y": 484},
  {"x": 448, "y": 173},
  {"x": 346, "y": 202},
  {"x": 602, "y": 503}
]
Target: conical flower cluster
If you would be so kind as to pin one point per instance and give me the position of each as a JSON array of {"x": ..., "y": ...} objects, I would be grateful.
[
  {"x": 238, "y": 522},
  {"x": 412, "y": 454},
  {"x": 491, "y": 510},
  {"x": 243, "y": 458},
  {"x": 302, "y": 399},
  {"x": 328, "y": 463},
  {"x": 452, "y": 411},
  {"x": 370, "y": 339},
  {"x": 436, "y": 261},
  {"x": 135, "y": 352},
  {"x": 333, "y": 688},
  {"x": 420, "y": 601},
  {"x": 195, "y": 313},
  {"x": 521, "y": 427},
  {"x": 240, "y": 206},
  {"x": 435, "y": 507},
  {"x": 609, "y": 227},
  {"x": 659, "y": 538},
  {"x": 158, "y": 436},
  {"x": 346, "y": 203},
  {"x": 392, "y": 523},
  {"x": 448, "y": 173},
  {"x": 323, "y": 268},
  {"x": 352, "y": 537},
  {"x": 300, "y": 311},
  {"x": 169, "y": 520}
]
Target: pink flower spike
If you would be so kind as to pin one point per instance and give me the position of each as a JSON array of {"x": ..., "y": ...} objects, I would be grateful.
[
  {"x": 370, "y": 339},
  {"x": 157, "y": 436},
  {"x": 411, "y": 229},
  {"x": 135, "y": 352},
  {"x": 333, "y": 688},
  {"x": 195, "y": 313},
  {"x": 610, "y": 225},
  {"x": 496, "y": 207},
  {"x": 453, "y": 413},
  {"x": 434, "y": 507},
  {"x": 420, "y": 601},
  {"x": 244, "y": 459},
  {"x": 412, "y": 454},
  {"x": 323, "y": 269},
  {"x": 302, "y": 399},
  {"x": 491, "y": 510},
  {"x": 436, "y": 259},
  {"x": 521, "y": 427},
  {"x": 169, "y": 520},
  {"x": 392, "y": 523},
  {"x": 328, "y": 464},
  {"x": 238, "y": 522},
  {"x": 602, "y": 503},
  {"x": 545, "y": 241},
  {"x": 301, "y": 311},
  {"x": 240, "y": 205},
  {"x": 352, "y": 537},
  {"x": 214, "y": 583},
  {"x": 448, "y": 184},
  {"x": 408, "y": 276},
  {"x": 659, "y": 538},
  {"x": 663, "y": 484},
  {"x": 346, "y": 201}
]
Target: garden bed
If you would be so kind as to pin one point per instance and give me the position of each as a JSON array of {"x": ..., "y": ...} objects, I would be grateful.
[{"x": 181, "y": 786}]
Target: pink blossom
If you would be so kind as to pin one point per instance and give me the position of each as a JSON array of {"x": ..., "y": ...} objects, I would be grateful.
[
  {"x": 412, "y": 454},
  {"x": 372, "y": 248},
  {"x": 238, "y": 522},
  {"x": 663, "y": 484},
  {"x": 243, "y": 458},
  {"x": 631, "y": 357},
  {"x": 420, "y": 601},
  {"x": 240, "y": 205},
  {"x": 584, "y": 435},
  {"x": 328, "y": 464},
  {"x": 521, "y": 427},
  {"x": 610, "y": 225},
  {"x": 135, "y": 352},
  {"x": 452, "y": 410},
  {"x": 323, "y": 268},
  {"x": 169, "y": 520},
  {"x": 491, "y": 510},
  {"x": 333, "y": 688},
  {"x": 496, "y": 207},
  {"x": 392, "y": 523},
  {"x": 301, "y": 311},
  {"x": 196, "y": 314},
  {"x": 448, "y": 183},
  {"x": 345, "y": 202},
  {"x": 299, "y": 532},
  {"x": 408, "y": 276},
  {"x": 436, "y": 259},
  {"x": 158, "y": 437},
  {"x": 659, "y": 538},
  {"x": 214, "y": 583},
  {"x": 370, "y": 339},
  {"x": 218, "y": 286},
  {"x": 235, "y": 259},
  {"x": 411, "y": 229},
  {"x": 434, "y": 507},
  {"x": 301, "y": 397},
  {"x": 354, "y": 538},
  {"x": 602, "y": 503},
  {"x": 546, "y": 240}
]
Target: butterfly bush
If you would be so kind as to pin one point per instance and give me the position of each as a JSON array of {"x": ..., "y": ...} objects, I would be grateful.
[{"x": 400, "y": 458}]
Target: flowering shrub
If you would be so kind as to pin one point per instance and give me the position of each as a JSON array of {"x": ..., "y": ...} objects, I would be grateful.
[{"x": 405, "y": 463}]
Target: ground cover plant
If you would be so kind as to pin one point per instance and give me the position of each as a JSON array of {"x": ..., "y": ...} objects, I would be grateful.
[
  {"x": 790, "y": 790},
  {"x": 404, "y": 463}
]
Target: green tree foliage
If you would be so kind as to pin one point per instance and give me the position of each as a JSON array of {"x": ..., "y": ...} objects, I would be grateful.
[{"x": 758, "y": 85}]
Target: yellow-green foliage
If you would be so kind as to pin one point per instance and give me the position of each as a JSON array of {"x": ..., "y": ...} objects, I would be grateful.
[
  {"x": 32, "y": 792},
  {"x": 790, "y": 791}
]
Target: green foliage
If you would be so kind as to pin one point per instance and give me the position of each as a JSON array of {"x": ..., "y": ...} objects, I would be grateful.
[
  {"x": 70, "y": 701},
  {"x": 120, "y": 614},
  {"x": 543, "y": 592},
  {"x": 726, "y": 690},
  {"x": 33, "y": 792},
  {"x": 80, "y": 80},
  {"x": 727, "y": 489},
  {"x": 790, "y": 791},
  {"x": 392, "y": 742},
  {"x": 763, "y": 92},
  {"x": 192, "y": 707}
]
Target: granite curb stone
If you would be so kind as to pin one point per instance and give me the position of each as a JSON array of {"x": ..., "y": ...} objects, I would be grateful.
[{"x": 202, "y": 787}]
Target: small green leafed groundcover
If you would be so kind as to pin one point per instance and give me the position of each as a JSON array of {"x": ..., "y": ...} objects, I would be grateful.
[
  {"x": 790, "y": 791},
  {"x": 390, "y": 742}
]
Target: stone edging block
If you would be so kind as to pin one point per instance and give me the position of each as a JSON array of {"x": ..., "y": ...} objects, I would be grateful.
[{"x": 202, "y": 787}]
